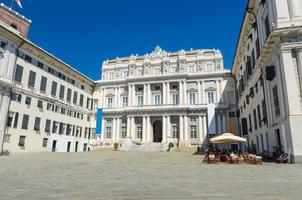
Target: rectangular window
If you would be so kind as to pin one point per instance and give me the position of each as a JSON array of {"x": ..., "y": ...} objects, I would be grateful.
[
  {"x": 18, "y": 74},
  {"x": 193, "y": 132},
  {"x": 43, "y": 84},
  {"x": 28, "y": 58},
  {"x": 140, "y": 72},
  {"x": 47, "y": 125},
  {"x": 276, "y": 101},
  {"x": 40, "y": 104},
  {"x": 69, "y": 94},
  {"x": 88, "y": 101},
  {"x": 75, "y": 97},
  {"x": 267, "y": 26},
  {"x": 16, "y": 120},
  {"x": 250, "y": 122},
  {"x": 108, "y": 132},
  {"x": 61, "y": 128},
  {"x": 140, "y": 100},
  {"x": 28, "y": 100},
  {"x": 110, "y": 102},
  {"x": 124, "y": 132},
  {"x": 22, "y": 141},
  {"x": 37, "y": 124},
  {"x": 125, "y": 74},
  {"x": 259, "y": 116},
  {"x": 44, "y": 143},
  {"x": 192, "y": 98},
  {"x": 175, "y": 133},
  {"x": 54, "y": 127},
  {"x": 175, "y": 99},
  {"x": 192, "y": 69},
  {"x": 255, "y": 119},
  {"x": 68, "y": 129},
  {"x": 264, "y": 114},
  {"x": 139, "y": 133},
  {"x": 62, "y": 92},
  {"x": 31, "y": 79},
  {"x": 81, "y": 100},
  {"x": 40, "y": 65},
  {"x": 175, "y": 69},
  {"x": 25, "y": 121},
  {"x": 210, "y": 97},
  {"x": 125, "y": 101},
  {"x": 157, "y": 100},
  {"x": 54, "y": 88}
]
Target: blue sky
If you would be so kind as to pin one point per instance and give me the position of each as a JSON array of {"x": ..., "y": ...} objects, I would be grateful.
[{"x": 84, "y": 33}]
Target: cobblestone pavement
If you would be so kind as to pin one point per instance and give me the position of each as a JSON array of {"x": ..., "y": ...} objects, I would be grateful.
[{"x": 141, "y": 175}]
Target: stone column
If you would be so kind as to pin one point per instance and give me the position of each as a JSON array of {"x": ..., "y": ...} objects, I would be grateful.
[
  {"x": 169, "y": 127},
  {"x": 168, "y": 93},
  {"x": 299, "y": 65},
  {"x": 133, "y": 128},
  {"x": 203, "y": 93},
  {"x": 130, "y": 95},
  {"x": 199, "y": 92},
  {"x": 128, "y": 127},
  {"x": 100, "y": 98},
  {"x": 200, "y": 130},
  {"x": 185, "y": 97},
  {"x": 218, "y": 123},
  {"x": 144, "y": 136},
  {"x": 181, "y": 128},
  {"x": 113, "y": 135},
  {"x": 186, "y": 132},
  {"x": 164, "y": 129},
  {"x": 217, "y": 92},
  {"x": 149, "y": 100},
  {"x": 133, "y": 96},
  {"x": 103, "y": 129},
  {"x": 164, "y": 93},
  {"x": 145, "y": 94},
  {"x": 224, "y": 124},
  {"x": 149, "y": 129},
  {"x": 116, "y": 97},
  {"x": 180, "y": 93},
  {"x": 104, "y": 98},
  {"x": 118, "y": 128}
]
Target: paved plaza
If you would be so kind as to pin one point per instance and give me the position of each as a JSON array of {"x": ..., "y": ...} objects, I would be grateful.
[{"x": 142, "y": 175}]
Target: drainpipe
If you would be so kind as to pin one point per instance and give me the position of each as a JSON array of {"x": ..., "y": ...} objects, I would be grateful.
[{"x": 13, "y": 78}]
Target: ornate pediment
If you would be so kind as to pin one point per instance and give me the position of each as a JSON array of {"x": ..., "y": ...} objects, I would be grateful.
[{"x": 159, "y": 53}]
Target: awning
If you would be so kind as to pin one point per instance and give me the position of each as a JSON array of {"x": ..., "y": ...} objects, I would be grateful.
[{"x": 227, "y": 138}]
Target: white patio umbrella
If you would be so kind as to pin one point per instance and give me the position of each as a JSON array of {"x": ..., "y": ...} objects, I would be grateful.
[{"x": 227, "y": 138}]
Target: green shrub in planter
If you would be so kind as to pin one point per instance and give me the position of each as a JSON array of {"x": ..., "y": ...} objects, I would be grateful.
[
  {"x": 170, "y": 146},
  {"x": 115, "y": 146}
]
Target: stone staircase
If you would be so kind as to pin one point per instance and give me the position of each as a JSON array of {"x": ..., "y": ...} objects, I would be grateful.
[{"x": 130, "y": 146}]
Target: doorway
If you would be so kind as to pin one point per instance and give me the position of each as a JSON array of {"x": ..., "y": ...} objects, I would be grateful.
[
  {"x": 157, "y": 131},
  {"x": 54, "y": 145}
]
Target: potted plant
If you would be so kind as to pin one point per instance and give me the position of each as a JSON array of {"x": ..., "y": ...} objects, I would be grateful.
[
  {"x": 115, "y": 145},
  {"x": 170, "y": 146}
]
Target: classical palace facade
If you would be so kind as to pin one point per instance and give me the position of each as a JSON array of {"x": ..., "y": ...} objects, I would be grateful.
[
  {"x": 45, "y": 105},
  {"x": 268, "y": 70},
  {"x": 161, "y": 97}
]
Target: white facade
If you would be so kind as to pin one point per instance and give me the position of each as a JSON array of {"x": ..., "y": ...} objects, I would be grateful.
[
  {"x": 45, "y": 104},
  {"x": 268, "y": 70},
  {"x": 163, "y": 97}
]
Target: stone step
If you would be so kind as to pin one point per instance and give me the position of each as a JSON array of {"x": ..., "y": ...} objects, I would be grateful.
[{"x": 145, "y": 147}]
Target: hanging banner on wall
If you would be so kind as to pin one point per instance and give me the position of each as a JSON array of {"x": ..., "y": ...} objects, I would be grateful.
[
  {"x": 211, "y": 119},
  {"x": 99, "y": 119}
]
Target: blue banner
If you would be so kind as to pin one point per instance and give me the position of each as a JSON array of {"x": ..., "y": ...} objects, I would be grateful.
[{"x": 99, "y": 117}]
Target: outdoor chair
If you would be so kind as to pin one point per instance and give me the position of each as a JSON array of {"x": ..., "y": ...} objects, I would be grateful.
[
  {"x": 282, "y": 159},
  {"x": 211, "y": 159},
  {"x": 241, "y": 159},
  {"x": 258, "y": 160}
]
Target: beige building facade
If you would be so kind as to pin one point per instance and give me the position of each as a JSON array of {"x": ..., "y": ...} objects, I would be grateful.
[
  {"x": 160, "y": 97},
  {"x": 268, "y": 71},
  {"x": 46, "y": 105}
]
